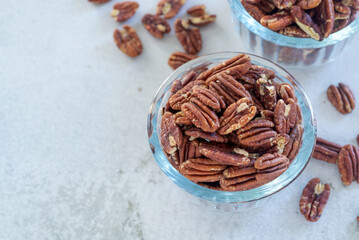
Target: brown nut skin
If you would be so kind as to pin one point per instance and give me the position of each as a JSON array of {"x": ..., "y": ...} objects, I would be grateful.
[
  {"x": 326, "y": 151},
  {"x": 285, "y": 116},
  {"x": 348, "y": 164},
  {"x": 156, "y": 25},
  {"x": 291, "y": 149},
  {"x": 195, "y": 133},
  {"x": 177, "y": 59},
  {"x": 254, "y": 11},
  {"x": 284, "y": 4},
  {"x": 341, "y": 98},
  {"x": 314, "y": 198},
  {"x": 308, "y": 4},
  {"x": 305, "y": 22},
  {"x": 197, "y": 11},
  {"x": 294, "y": 31},
  {"x": 190, "y": 38},
  {"x": 277, "y": 21},
  {"x": 183, "y": 95},
  {"x": 128, "y": 41},
  {"x": 169, "y": 8},
  {"x": 124, "y": 10},
  {"x": 326, "y": 17},
  {"x": 202, "y": 20},
  {"x": 188, "y": 149},
  {"x": 99, "y": 1}
]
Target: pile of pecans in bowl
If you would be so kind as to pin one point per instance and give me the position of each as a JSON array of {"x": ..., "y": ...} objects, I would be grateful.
[
  {"x": 232, "y": 127},
  {"x": 315, "y": 19}
]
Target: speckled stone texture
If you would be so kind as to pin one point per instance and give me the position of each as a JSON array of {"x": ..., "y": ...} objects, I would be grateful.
[{"x": 75, "y": 161}]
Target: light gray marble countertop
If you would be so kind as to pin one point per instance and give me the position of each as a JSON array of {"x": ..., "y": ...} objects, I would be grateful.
[{"x": 75, "y": 161}]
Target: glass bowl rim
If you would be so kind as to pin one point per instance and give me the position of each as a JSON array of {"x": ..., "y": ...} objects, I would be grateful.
[
  {"x": 293, "y": 42},
  {"x": 193, "y": 188}
]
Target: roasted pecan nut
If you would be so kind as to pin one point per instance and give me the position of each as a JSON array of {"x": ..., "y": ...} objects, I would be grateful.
[
  {"x": 202, "y": 20},
  {"x": 236, "y": 66},
  {"x": 277, "y": 21},
  {"x": 195, "y": 133},
  {"x": 181, "y": 119},
  {"x": 341, "y": 98},
  {"x": 267, "y": 93},
  {"x": 184, "y": 94},
  {"x": 254, "y": 10},
  {"x": 286, "y": 91},
  {"x": 225, "y": 153},
  {"x": 294, "y": 31},
  {"x": 201, "y": 115},
  {"x": 197, "y": 11},
  {"x": 284, "y": 4},
  {"x": 169, "y": 8},
  {"x": 270, "y": 166},
  {"x": 285, "y": 115},
  {"x": 188, "y": 149},
  {"x": 171, "y": 134},
  {"x": 213, "y": 186},
  {"x": 228, "y": 88},
  {"x": 348, "y": 164},
  {"x": 209, "y": 98},
  {"x": 291, "y": 149},
  {"x": 266, "y": 6},
  {"x": 305, "y": 22},
  {"x": 156, "y": 25},
  {"x": 326, "y": 151},
  {"x": 314, "y": 198},
  {"x": 267, "y": 114},
  {"x": 326, "y": 17},
  {"x": 190, "y": 38},
  {"x": 202, "y": 170},
  {"x": 177, "y": 59},
  {"x": 342, "y": 8},
  {"x": 308, "y": 4},
  {"x": 124, "y": 10},
  {"x": 128, "y": 41},
  {"x": 99, "y": 1},
  {"x": 237, "y": 116}
]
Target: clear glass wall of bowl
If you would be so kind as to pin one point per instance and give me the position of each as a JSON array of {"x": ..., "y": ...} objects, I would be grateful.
[
  {"x": 221, "y": 200},
  {"x": 289, "y": 51}
]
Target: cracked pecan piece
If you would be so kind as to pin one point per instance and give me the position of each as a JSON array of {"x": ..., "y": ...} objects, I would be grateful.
[
  {"x": 156, "y": 25},
  {"x": 348, "y": 164},
  {"x": 228, "y": 88},
  {"x": 291, "y": 149},
  {"x": 225, "y": 153},
  {"x": 326, "y": 151},
  {"x": 197, "y": 11},
  {"x": 326, "y": 17},
  {"x": 256, "y": 12},
  {"x": 124, "y": 10},
  {"x": 188, "y": 149},
  {"x": 236, "y": 116},
  {"x": 277, "y": 21},
  {"x": 284, "y": 4},
  {"x": 308, "y": 4},
  {"x": 177, "y": 59},
  {"x": 267, "y": 93},
  {"x": 190, "y": 38},
  {"x": 128, "y": 41},
  {"x": 294, "y": 31},
  {"x": 285, "y": 115},
  {"x": 341, "y": 98},
  {"x": 306, "y": 23},
  {"x": 195, "y": 133},
  {"x": 314, "y": 198},
  {"x": 209, "y": 98},
  {"x": 270, "y": 166},
  {"x": 202, "y": 170},
  {"x": 169, "y": 8}
]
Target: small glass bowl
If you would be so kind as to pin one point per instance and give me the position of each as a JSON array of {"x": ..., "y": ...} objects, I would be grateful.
[
  {"x": 288, "y": 51},
  {"x": 221, "y": 200}
]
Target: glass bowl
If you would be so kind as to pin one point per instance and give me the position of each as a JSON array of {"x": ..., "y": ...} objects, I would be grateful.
[
  {"x": 288, "y": 51},
  {"x": 221, "y": 200}
]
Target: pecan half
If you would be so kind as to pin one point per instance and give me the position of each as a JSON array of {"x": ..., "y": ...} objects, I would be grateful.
[
  {"x": 305, "y": 22},
  {"x": 169, "y": 8},
  {"x": 236, "y": 66},
  {"x": 99, "y": 1},
  {"x": 197, "y": 11},
  {"x": 286, "y": 91},
  {"x": 285, "y": 115},
  {"x": 267, "y": 93},
  {"x": 342, "y": 8},
  {"x": 156, "y": 25},
  {"x": 171, "y": 134},
  {"x": 200, "y": 115},
  {"x": 209, "y": 98},
  {"x": 326, "y": 15},
  {"x": 284, "y": 4},
  {"x": 190, "y": 38},
  {"x": 236, "y": 116},
  {"x": 177, "y": 59},
  {"x": 124, "y": 10},
  {"x": 213, "y": 186},
  {"x": 314, "y": 198},
  {"x": 266, "y": 6},
  {"x": 341, "y": 98},
  {"x": 180, "y": 118},
  {"x": 270, "y": 166},
  {"x": 225, "y": 153},
  {"x": 188, "y": 149},
  {"x": 326, "y": 151},
  {"x": 202, "y": 170},
  {"x": 348, "y": 164},
  {"x": 254, "y": 10},
  {"x": 202, "y": 20},
  {"x": 277, "y": 21},
  {"x": 308, "y": 4},
  {"x": 198, "y": 133},
  {"x": 228, "y": 88},
  {"x": 291, "y": 149},
  {"x": 294, "y": 31},
  {"x": 128, "y": 41},
  {"x": 184, "y": 94},
  {"x": 255, "y": 72}
]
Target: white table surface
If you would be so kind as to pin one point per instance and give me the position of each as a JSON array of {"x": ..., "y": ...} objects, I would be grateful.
[{"x": 75, "y": 161}]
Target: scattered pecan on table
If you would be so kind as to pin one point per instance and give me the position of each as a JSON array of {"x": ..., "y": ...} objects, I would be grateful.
[
  {"x": 124, "y": 10},
  {"x": 99, "y": 1},
  {"x": 314, "y": 198},
  {"x": 199, "y": 17},
  {"x": 177, "y": 59},
  {"x": 128, "y": 41},
  {"x": 348, "y": 164},
  {"x": 326, "y": 151},
  {"x": 169, "y": 8},
  {"x": 232, "y": 127},
  {"x": 341, "y": 98},
  {"x": 190, "y": 38},
  {"x": 156, "y": 25}
]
